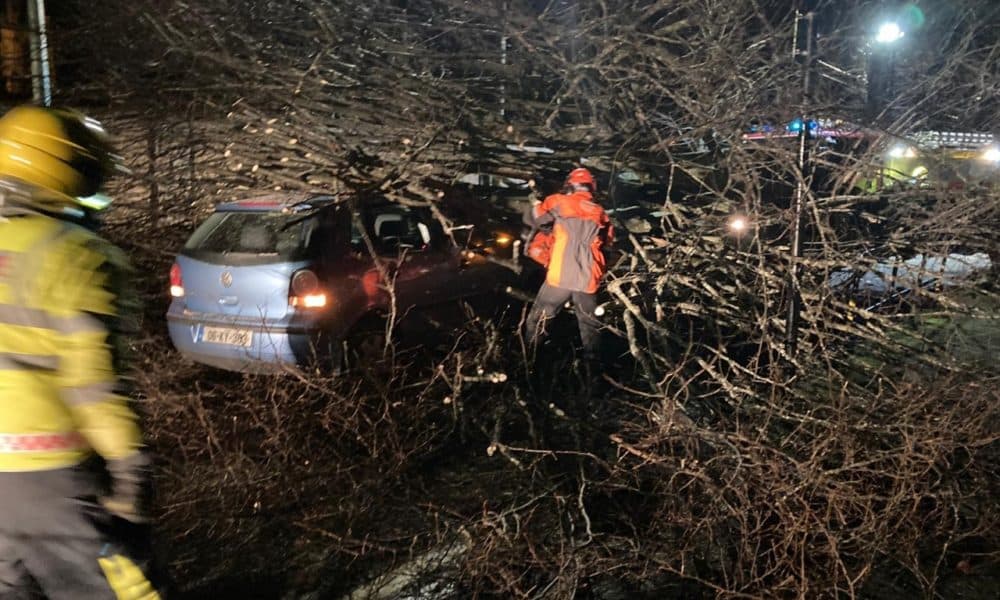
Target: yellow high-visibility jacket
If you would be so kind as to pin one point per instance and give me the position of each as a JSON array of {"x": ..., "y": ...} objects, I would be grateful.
[{"x": 59, "y": 395}]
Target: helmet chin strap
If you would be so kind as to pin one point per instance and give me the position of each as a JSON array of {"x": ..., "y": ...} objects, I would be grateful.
[{"x": 8, "y": 200}]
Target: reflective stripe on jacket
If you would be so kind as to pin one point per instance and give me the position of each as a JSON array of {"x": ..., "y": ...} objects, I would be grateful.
[
  {"x": 580, "y": 228},
  {"x": 58, "y": 375}
]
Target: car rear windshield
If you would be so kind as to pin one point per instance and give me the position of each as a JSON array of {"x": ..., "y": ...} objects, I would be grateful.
[{"x": 253, "y": 237}]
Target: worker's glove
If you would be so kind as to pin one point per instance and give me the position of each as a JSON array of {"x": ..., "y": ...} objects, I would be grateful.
[{"x": 129, "y": 481}]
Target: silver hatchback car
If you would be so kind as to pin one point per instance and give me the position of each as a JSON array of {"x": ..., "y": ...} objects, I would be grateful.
[{"x": 282, "y": 279}]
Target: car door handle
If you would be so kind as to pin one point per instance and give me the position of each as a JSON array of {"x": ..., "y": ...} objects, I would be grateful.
[{"x": 228, "y": 300}]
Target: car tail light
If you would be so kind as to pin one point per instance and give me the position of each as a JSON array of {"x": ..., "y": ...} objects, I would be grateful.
[
  {"x": 305, "y": 290},
  {"x": 176, "y": 281}
]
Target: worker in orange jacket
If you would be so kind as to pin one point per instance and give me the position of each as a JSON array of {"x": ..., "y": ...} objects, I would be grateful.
[{"x": 581, "y": 231}]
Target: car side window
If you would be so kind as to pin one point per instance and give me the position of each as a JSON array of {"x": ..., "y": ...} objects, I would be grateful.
[{"x": 396, "y": 228}]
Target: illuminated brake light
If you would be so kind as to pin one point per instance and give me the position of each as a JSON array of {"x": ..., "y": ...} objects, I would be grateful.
[
  {"x": 308, "y": 301},
  {"x": 176, "y": 281},
  {"x": 305, "y": 291}
]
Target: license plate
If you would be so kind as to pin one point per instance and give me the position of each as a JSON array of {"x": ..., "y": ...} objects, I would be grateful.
[{"x": 227, "y": 336}]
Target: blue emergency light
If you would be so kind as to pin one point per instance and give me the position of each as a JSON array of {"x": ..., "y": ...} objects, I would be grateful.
[{"x": 796, "y": 125}]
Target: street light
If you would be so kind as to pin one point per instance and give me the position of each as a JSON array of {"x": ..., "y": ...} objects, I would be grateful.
[
  {"x": 889, "y": 32},
  {"x": 881, "y": 67}
]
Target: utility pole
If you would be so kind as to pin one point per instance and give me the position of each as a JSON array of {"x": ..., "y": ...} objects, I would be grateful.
[
  {"x": 503, "y": 62},
  {"x": 806, "y": 20},
  {"x": 41, "y": 74}
]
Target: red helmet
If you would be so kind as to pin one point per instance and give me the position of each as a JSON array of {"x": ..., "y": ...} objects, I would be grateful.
[{"x": 581, "y": 176}]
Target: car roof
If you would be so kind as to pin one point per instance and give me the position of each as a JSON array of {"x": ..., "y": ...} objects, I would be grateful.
[{"x": 280, "y": 202}]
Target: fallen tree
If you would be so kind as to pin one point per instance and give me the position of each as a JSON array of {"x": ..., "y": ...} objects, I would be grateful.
[{"x": 715, "y": 460}]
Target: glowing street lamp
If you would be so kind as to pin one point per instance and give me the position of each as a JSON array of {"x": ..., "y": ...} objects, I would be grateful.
[
  {"x": 881, "y": 59},
  {"x": 889, "y": 32}
]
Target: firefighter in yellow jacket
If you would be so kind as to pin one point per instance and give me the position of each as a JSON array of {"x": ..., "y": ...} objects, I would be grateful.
[{"x": 61, "y": 404}]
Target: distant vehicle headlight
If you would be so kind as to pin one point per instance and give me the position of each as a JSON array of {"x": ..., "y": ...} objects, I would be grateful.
[
  {"x": 902, "y": 152},
  {"x": 738, "y": 224},
  {"x": 992, "y": 154}
]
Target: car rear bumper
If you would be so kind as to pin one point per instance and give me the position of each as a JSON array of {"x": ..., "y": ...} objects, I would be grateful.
[
  {"x": 240, "y": 365},
  {"x": 271, "y": 348}
]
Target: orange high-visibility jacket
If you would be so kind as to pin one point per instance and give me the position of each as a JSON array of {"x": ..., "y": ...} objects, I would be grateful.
[
  {"x": 581, "y": 229},
  {"x": 59, "y": 397}
]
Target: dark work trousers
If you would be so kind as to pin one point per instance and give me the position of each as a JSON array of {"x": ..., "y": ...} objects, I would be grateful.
[
  {"x": 550, "y": 301},
  {"x": 52, "y": 531}
]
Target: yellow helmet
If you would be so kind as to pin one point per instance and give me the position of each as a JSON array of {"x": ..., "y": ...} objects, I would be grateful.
[{"x": 62, "y": 153}]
